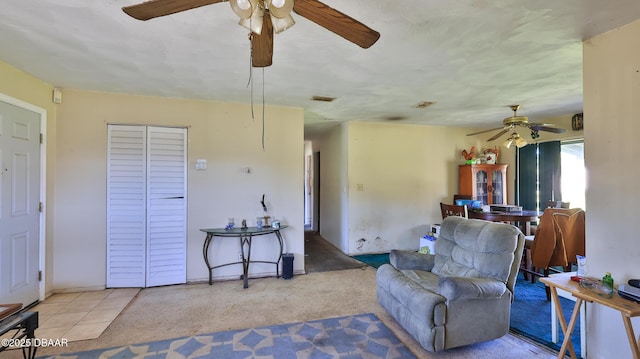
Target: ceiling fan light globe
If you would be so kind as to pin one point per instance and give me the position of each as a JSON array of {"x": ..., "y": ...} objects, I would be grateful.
[
  {"x": 280, "y": 8},
  {"x": 243, "y": 4},
  {"x": 507, "y": 143},
  {"x": 253, "y": 23},
  {"x": 282, "y": 24},
  {"x": 243, "y": 8},
  {"x": 520, "y": 142}
]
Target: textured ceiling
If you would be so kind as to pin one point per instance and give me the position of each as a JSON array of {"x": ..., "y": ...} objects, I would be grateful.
[{"x": 472, "y": 58}]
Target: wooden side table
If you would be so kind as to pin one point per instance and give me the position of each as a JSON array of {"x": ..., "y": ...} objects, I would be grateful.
[
  {"x": 627, "y": 309},
  {"x": 8, "y": 309},
  {"x": 583, "y": 322}
]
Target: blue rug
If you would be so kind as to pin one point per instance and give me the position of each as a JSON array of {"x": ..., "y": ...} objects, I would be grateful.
[
  {"x": 530, "y": 311},
  {"x": 531, "y": 315},
  {"x": 352, "y": 337},
  {"x": 373, "y": 260}
]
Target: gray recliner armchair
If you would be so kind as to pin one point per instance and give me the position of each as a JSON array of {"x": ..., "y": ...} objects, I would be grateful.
[{"x": 463, "y": 293}]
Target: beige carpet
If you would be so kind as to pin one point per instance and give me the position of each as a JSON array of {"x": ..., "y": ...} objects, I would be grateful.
[{"x": 182, "y": 310}]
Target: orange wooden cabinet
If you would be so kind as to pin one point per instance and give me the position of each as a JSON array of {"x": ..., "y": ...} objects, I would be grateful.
[{"x": 484, "y": 182}]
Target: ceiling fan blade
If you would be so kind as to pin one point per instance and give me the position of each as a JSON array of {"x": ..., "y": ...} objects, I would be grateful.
[
  {"x": 262, "y": 45},
  {"x": 499, "y": 134},
  {"x": 337, "y": 22},
  {"x": 485, "y": 131},
  {"x": 546, "y": 127},
  {"x": 156, "y": 8}
]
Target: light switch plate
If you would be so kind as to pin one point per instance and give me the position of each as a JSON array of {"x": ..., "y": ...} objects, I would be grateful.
[{"x": 201, "y": 164}]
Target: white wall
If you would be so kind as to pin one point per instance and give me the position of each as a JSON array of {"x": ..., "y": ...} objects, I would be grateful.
[
  {"x": 612, "y": 126},
  {"x": 333, "y": 194},
  {"x": 223, "y": 134}
]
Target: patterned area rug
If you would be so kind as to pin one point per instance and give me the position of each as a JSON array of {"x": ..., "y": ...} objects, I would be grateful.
[{"x": 359, "y": 336}]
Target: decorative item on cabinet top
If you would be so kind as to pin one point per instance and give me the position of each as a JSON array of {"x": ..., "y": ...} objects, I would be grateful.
[
  {"x": 577, "y": 122},
  {"x": 488, "y": 156},
  {"x": 469, "y": 156},
  {"x": 491, "y": 155}
]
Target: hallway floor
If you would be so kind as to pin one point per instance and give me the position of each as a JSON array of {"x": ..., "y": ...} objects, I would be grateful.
[{"x": 322, "y": 256}]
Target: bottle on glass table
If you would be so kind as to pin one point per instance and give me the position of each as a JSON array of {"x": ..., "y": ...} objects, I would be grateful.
[
  {"x": 607, "y": 280},
  {"x": 231, "y": 223}
]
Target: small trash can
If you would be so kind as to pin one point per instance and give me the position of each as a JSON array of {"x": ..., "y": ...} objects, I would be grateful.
[{"x": 287, "y": 266}]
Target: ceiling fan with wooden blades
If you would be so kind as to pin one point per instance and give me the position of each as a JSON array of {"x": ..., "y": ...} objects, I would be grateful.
[
  {"x": 511, "y": 123},
  {"x": 264, "y": 17}
]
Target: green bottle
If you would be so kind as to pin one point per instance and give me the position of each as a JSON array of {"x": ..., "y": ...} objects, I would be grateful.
[{"x": 607, "y": 280}]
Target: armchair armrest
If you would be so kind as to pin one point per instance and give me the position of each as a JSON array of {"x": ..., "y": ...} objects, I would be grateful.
[
  {"x": 411, "y": 260},
  {"x": 454, "y": 288}
]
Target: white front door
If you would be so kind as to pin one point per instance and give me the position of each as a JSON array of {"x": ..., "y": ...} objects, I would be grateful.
[{"x": 19, "y": 204}]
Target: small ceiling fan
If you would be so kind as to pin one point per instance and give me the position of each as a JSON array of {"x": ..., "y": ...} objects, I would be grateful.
[
  {"x": 263, "y": 17},
  {"x": 510, "y": 124}
]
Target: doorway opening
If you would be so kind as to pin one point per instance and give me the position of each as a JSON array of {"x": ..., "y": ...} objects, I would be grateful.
[
  {"x": 311, "y": 189},
  {"x": 573, "y": 180}
]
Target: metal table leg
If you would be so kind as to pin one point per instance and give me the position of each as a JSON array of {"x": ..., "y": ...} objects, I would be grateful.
[
  {"x": 245, "y": 260},
  {"x": 205, "y": 254},
  {"x": 280, "y": 255}
]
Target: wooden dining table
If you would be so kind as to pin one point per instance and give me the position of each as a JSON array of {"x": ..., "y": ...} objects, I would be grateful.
[{"x": 521, "y": 218}]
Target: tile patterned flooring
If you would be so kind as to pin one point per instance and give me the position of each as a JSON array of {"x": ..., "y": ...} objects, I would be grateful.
[{"x": 80, "y": 316}]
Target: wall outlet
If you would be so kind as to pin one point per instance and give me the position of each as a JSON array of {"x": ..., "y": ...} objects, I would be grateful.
[{"x": 240, "y": 256}]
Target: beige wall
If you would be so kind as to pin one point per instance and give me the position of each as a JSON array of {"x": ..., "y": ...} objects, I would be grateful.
[
  {"x": 405, "y": 171},
  {"x": 612, "y": 125},
  {"x": 223, "y": 134},
  {"x": 398, "y": 175}
]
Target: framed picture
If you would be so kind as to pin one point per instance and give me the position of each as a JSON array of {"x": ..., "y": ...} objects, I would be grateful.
[
  {"x": 576, "y": 122},
  {"x": 491, "y": 158}
]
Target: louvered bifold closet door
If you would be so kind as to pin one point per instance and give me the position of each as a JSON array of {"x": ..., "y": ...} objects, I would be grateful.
[
  {"x": 166, "y": 203},
  {"x": 146, "y": 206},
  {"x": 126, "y": 206}
]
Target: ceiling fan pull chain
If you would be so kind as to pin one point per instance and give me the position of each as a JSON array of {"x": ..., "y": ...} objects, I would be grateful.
[
  {"x": 263, "y": 105},
  {"x": 250, "y": 81},
  {"x": 250, "y": 58}
]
